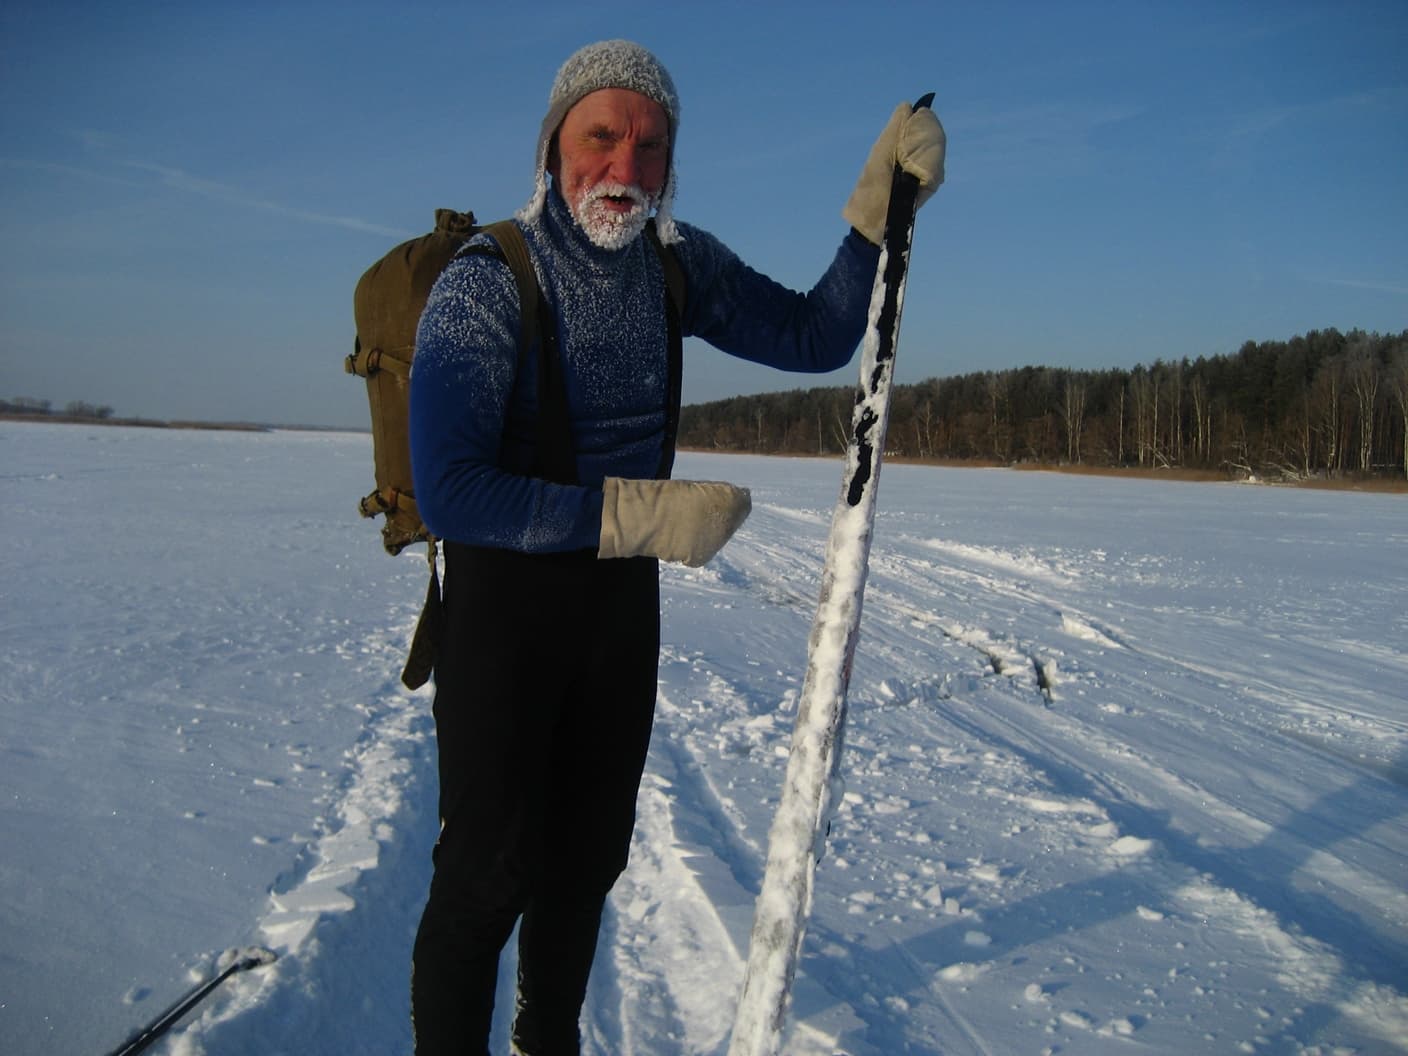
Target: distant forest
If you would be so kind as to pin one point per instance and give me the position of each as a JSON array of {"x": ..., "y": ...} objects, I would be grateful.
[
  {"x": 1325, "y": 404},
  {"x": 24, "y": 406}
]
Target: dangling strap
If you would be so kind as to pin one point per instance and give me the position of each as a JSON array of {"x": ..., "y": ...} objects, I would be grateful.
[{"x": 425, "y": 642}]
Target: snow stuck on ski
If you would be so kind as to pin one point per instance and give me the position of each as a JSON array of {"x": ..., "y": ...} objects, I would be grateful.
[{"x": 811, "y": 786}]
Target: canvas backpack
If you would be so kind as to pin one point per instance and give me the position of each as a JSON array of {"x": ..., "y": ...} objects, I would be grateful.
[{"x": 387, "y": 306}]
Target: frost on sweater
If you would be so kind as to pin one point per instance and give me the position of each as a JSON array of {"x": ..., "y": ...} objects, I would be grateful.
[{"x": 474, "y": 406}]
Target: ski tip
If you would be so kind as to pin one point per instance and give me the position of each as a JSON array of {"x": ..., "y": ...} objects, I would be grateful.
[
  {"x": 925, "y": 102},
  {"x": 247, "y": 957}
]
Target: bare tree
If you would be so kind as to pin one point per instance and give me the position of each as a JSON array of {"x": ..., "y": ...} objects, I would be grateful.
[
  {"x": 1073, "y": 414},
  {"x": 1327, "y": 391},
  {"x": 997, "y": 384},
  {"x": 1177, "y": 414},
  {"x": 1398, "y": 386},
  {"x": 1143, "y": 394},
  {"x": 1119, "y": 431},
  {"x": 1154, "y": 427},
  {"x": 1364, "y": 375},
  {"x": 1197, "y": 392},
  {"x": 842, "y": 429}
]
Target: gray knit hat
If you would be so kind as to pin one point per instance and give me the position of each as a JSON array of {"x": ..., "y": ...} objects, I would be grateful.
[{"x": 608, "y": 64}]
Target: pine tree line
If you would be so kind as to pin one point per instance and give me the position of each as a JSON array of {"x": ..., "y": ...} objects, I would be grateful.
[{"x": 1321, "y": 404}]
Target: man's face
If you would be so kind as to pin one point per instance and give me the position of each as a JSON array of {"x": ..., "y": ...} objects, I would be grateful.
[{"x": 611, "y": 160}]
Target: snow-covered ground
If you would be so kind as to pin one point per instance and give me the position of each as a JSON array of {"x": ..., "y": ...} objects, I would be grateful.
[{"x": 1127, "y": 768}]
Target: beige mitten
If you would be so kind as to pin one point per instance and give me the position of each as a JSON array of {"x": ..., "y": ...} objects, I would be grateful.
[
  {"x": 674, "y": 520},
  {"x": 915, "y": 140}
]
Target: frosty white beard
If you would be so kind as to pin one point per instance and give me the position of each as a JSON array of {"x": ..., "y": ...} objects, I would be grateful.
[{"x": 604, "y": 225}]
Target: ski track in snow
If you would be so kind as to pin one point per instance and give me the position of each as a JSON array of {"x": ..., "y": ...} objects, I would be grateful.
[
  {"x": 1103, "y": 791},
  {"x": 327, "y": 918}
]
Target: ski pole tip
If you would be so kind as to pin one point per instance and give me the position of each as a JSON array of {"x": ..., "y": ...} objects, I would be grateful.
[{"x": 247, "y": 957}]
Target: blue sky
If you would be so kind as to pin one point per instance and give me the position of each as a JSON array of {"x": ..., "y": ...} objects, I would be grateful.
[{"x": 189, "y": 192}]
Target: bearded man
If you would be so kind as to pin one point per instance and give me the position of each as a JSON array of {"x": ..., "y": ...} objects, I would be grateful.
[{"x": 547, "y": 475}]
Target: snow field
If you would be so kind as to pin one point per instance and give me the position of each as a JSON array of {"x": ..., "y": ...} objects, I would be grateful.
[{"x": 1127, "y": 762}]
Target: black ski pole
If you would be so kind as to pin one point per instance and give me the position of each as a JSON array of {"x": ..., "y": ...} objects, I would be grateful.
[{"x": 240, "y": 961}]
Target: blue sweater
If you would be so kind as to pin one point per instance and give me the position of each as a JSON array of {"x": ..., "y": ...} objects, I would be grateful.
[{"x": 474, "y": 407}]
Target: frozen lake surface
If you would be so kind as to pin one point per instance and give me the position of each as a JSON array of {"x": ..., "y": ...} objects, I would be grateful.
[{"x": 1127, "y": 767}]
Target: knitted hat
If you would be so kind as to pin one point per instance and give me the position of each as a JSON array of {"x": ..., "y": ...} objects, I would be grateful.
[{"x": 608, "y": 64}]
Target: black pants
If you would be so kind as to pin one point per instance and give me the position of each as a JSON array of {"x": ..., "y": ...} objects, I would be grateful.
[{"x": 544, "y": 698}]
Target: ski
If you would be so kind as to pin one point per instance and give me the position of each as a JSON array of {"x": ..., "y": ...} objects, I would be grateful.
[
  {"x": 234, "y": 961},
  {"x": 799, "y": 826}
]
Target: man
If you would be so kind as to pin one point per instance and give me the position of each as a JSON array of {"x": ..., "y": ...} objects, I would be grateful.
[{"x": 555, "y": 519}]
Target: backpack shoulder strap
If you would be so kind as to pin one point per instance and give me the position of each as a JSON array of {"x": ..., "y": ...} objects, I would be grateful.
[
  {"x": 514, "y": 251},
  {"x": 674, "y": 314},
  {"x": 675, "y": 287},
  {"x": 554, "y": 458}
]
